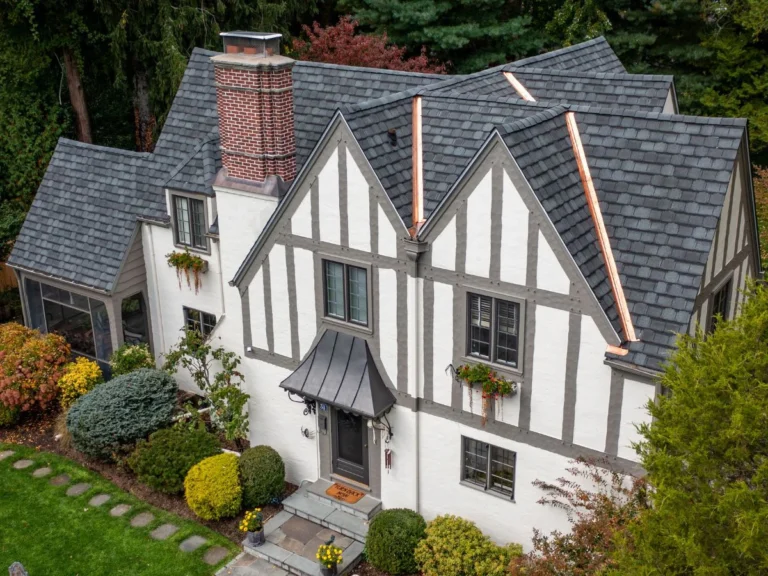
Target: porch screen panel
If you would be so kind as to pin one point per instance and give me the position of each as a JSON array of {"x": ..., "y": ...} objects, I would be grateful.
[
  {"x": 102, "y": 336},
  {"x": 73, "y": 324},
  {"x": 34, "y": 305}
]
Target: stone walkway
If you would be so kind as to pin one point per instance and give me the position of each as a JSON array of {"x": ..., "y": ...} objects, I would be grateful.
[{"x": 212, "y": 556}]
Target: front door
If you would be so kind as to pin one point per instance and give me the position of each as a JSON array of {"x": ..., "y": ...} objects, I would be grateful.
[{"x": 350, "y": 446}]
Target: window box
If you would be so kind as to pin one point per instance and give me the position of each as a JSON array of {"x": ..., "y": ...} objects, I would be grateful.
[
  {"x": 492, "y": 385},
  {"x": 186, "y": 262}
]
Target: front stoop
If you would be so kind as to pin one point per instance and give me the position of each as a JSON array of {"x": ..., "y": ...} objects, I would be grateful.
[
  {"x": 366, "y": 508},
  {"x": 292, "y": 541}
]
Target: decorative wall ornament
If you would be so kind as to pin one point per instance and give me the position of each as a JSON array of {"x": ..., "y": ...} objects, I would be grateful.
[
  {"x": 491, "y": 384},
  {"x": 187, "y": 263}
]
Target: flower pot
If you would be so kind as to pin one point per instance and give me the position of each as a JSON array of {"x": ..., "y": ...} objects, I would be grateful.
[
  {"x": 328, "y": 571},
  {"x": 255, "y": 538}
]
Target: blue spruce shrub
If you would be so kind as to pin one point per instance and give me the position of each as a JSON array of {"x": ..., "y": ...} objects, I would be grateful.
[{"x": 113, "y": 416}]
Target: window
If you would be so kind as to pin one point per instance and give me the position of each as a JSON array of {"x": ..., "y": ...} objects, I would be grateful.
[
  {"x": 189, "y": 215},
  {"x": 200, "y": 321},
  {"x": 346, "y": 292},
  {"x": 82, "y": 321},
  {"x": 489, "y": 467},
  {"x": 720, "y": 305},
  {"x": 493, "y": 332}
]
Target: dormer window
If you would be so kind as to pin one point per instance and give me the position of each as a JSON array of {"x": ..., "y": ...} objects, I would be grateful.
[{"x": 189, "y": 220}]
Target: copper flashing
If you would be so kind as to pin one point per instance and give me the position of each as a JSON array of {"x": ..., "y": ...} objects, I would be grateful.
[
  {"x": 617, "y": 350},
  {"x": 602, "y": 233},
  {"x": 519, "y": 88},
  {"x": 418, "y": 169}
]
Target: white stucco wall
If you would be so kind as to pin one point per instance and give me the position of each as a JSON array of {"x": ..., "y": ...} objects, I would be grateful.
[
  {"x": 550, "y": 351},
  {"x": 514, "y": 235},
  {"x": 633, "y": 412},
  {"x": 442, "y": 343},
  {"x": 550, "y": 274},
  {"x": 478, "y": 255},
  {"x": 593, "y": 386}
]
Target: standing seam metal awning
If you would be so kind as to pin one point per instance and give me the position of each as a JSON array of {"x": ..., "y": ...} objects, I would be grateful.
[{"x": 340, "y": 371}]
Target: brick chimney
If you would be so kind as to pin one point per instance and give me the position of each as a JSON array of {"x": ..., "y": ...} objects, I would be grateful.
[{"x": 254, "y": 97}]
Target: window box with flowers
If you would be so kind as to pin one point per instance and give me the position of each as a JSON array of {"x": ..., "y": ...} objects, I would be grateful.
[
  {"x": 189, "y": 264},
  {"x": 492, "y": 385},
  {"x": 253, "y": 526}
]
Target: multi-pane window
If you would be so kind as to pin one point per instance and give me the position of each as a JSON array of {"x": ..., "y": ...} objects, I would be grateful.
[
  {"x": 190, "y": 222},
  {"x": 720, "y": 305},
  {"x": 494, "y": 328},
  {"x": 199, "y": 321},
  {"x": 489, "y": 467},
  {"x": 346, "y": 292}
]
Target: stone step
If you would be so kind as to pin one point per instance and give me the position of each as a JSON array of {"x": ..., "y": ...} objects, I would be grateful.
[
  {"x": 302, "y": 504},
  {"x": 290, "y": 539},
  {"x": 366, "y": 508}
]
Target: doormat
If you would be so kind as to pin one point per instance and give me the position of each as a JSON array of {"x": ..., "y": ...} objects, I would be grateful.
[{"x": 345, "y": 493}]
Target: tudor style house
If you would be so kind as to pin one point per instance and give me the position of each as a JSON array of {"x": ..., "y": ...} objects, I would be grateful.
[{"x": 367, "y": 230}]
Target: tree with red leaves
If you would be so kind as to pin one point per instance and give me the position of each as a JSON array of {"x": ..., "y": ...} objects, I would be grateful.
[
  {"x": 598, "y": 516},
  {"x": 341, "y": 44}
]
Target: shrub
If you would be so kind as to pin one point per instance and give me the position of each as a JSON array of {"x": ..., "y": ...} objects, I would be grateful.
[
  {"x": 80, "y": 377},
  {"x": 30, "y": 366},
  {"x": 262, "y": 475},
  {"x": 129, "y": 358},
  {"x": 456, "y": 547},
  {"x": 212, "y": 488},
  {"x": 164, "y": 461},
  {"x": 392, "y": 538},
  {"x": 8, "y": 416},
  {"x": 120, "y": 412}
]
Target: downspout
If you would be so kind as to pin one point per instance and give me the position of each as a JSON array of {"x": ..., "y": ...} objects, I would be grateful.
[{"x": 157, "y": 291}]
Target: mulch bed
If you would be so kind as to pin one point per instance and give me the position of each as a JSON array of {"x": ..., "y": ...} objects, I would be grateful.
[{"x": 38, "y": 431}]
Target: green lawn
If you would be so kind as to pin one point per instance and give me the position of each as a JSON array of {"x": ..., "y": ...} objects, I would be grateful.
[{"x": 53, "y": 534}]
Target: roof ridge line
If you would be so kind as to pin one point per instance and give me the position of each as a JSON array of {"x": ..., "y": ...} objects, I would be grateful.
[
  {"x": 511, "y": 67},
  {"x": 532, "y": 120},
  {"x": 566, "y": 50},
  {"x": 90, "y": 146},
  {"x": 372, "y": 104},
  {"x": 369, "y": 68}
]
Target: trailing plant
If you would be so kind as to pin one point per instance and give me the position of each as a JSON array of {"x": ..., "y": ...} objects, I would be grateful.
[
  {"x": 490, "y": 383},
  {"x": 131, "y": 357},
  {"x": 117, "y": 413},
  {"x": 253, "y": 521},
  {"x": 185, "y": 262},
  {"x": 392, "y": 538},
  {"x": 163, "y": 461},
  {"x": 31, "y": 365},
  {"x": 195, "y": 353},
  {"x": 212, "y": 488},
  {"x": 329, "y": 555},
  {"x": 262, "y": 475},
  {"x": 454, "y": 546},
  {"x": 80, "y": 377}
]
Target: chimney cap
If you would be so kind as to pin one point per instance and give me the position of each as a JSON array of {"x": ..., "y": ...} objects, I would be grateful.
[{"x": 252, "y": 35}]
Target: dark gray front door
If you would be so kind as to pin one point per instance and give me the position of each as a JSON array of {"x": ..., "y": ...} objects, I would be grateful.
[{"x": 350, "y": 446}]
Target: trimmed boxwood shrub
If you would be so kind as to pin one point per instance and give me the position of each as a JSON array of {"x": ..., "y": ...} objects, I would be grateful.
[
  {"x": 164, "y": 460},
  {"x": 116, "y": 414},
  {"x": 212, "y": 488},
  {"x": 456, "y": 547},
  {"x": 392, "y": 538},
  {"x": 262, "y": 475}
]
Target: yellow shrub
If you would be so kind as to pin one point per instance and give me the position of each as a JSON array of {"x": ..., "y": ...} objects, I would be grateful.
[
  {"x": 79, "y": 378},
  {"x": 212, "y": 487}
]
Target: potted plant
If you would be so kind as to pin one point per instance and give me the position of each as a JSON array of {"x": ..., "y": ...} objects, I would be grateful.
[
  {"x": 330, "y": 557},
  {"x": 491, "y": 384},
  {"x": 253, "y": 526},
  {"x": 186, "y": 262}
]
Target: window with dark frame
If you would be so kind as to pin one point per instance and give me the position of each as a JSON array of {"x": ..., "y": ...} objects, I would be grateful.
[
  {"x": 346, "y": 292},
  {"x": 493, "y": 329},
  {"x": 720, "y": 305},
  {"x": 189, "y": 215},
  {"x": 489, "y": 467},
  {"x": 200, "y": 321}
]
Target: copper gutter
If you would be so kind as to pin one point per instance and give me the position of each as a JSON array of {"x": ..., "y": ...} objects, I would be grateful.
[
  {"x": 602, "y": 234},
  {"x": 418, "y": 169},
  {"x": 519, "y": 88}
]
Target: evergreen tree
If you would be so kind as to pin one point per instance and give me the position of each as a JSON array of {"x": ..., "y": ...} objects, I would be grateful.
[
  {"x": 470, "y": 34},
  {"x": 706, "y": 456}
]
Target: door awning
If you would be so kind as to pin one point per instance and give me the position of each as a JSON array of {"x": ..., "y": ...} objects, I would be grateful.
[{"x": 340, "y": 371}]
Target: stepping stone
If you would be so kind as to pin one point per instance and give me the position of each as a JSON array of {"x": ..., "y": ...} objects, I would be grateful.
[
  {"x": 21, "y": 464},
  {"x": 119, "y": 510},
  {"x": 99, "y": 499},
  {"x": 164, "y": 532},
  {"x": 6, "y": 453},
  {"x": 141, "y": 520},
  {"x": 78, "y": 489},
  {"x": 60, "y": 480},
  {"x": 214, "y": 555},
  {"x": 40, "y": 472},
  {"x": 192, "y": 543}
]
